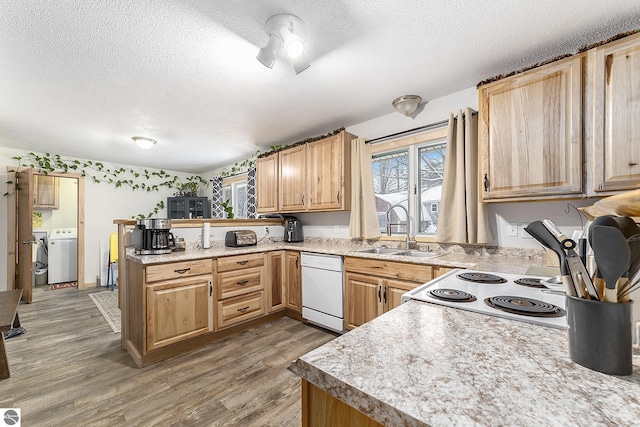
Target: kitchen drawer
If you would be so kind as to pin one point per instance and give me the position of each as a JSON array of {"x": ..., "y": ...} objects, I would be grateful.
[
  {"x": 239, "y": 309},
  {"x": 233, "y": 283},
  {"x": 177, "y": 270},
  {"x": 393, "y": 270},
  {"x": 236, "y": 262}
]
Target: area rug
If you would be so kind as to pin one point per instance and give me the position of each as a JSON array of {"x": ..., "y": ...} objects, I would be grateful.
[
  {"x": 64, "y": 285},
  {"x": 107, "y": 303}
]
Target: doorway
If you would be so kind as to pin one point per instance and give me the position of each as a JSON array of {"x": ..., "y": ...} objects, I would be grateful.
[{"x": 42, "y": 203}]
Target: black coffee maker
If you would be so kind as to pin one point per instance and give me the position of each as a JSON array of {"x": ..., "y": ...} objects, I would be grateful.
[
  {"x": 293, "y": 229},
  {"x": 153, "y": 236}
]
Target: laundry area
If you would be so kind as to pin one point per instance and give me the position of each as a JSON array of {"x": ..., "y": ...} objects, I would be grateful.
[{"x": 55, "y": 233}]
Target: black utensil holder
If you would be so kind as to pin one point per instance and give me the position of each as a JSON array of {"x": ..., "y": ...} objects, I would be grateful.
[{"x": 600, "y": 335}]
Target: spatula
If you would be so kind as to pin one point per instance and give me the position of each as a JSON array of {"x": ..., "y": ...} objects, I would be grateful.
[
  {"x": 611, "y": 252},
  {"x": 607, "y": 220}
]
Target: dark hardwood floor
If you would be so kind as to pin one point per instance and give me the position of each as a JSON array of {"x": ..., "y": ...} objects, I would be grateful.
[{"x": 68, "y": 369}]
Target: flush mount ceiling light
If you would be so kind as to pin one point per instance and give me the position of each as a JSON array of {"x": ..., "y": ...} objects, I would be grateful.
[
  {"x": 288, "y": 32},
  {"x": 144, "y": 143},
  {"x": 407, "y": 104}
]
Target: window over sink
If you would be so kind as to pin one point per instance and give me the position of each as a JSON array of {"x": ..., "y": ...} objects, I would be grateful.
[{"x": 407, "y": 174}]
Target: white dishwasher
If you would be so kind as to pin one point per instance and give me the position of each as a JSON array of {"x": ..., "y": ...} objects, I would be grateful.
[{"x": 322, "y": 290}]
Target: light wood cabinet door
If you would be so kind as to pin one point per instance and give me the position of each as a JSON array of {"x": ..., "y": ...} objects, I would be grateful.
[
  {"x": 393, "y": 291},
  {"x": 292, "y": 173},
  {"x": 329, "y": 173},
  {"x": 267, "y": 184},
  {"x": 178, "y": 310},
  {"x": 530, "y": 131},
  {"x": 276, "y": 288},
  {"x": 46, "y": 192},
  {"x": 293, "y": 274},
  {"x": 364, "y": 299},
  {"x": 615, "y": 79}
]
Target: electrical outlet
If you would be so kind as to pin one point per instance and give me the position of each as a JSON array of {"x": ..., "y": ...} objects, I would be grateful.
[
  {"x": 523, "y": 232},
  {"x": 266, "y": 230},
  {"x": 512, "y": 230}
]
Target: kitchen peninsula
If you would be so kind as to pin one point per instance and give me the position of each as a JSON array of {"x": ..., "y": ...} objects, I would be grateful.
[{"x": 422, "y": 364}]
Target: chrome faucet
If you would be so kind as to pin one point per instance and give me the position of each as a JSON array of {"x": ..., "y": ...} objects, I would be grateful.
[{"x": 389, "y": 223}]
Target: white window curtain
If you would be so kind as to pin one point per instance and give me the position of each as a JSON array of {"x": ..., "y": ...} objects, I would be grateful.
[
  {"x": 364, "y": 218},
  {"x": 463, "y": 218}
]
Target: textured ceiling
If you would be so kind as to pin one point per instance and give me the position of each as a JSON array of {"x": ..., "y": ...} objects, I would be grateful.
[{"x": 79, "y": 77}]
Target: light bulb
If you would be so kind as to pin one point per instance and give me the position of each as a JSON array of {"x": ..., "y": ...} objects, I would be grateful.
[{"x": 293, "y": 45}]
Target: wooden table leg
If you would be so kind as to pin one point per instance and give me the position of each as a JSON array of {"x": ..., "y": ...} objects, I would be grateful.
[{"x": 4, "y": 364}]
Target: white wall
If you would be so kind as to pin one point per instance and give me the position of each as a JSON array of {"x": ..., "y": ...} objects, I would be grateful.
[{"x": 103, "y": 203}]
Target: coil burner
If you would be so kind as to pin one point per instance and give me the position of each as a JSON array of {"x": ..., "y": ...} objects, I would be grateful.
[
  {"x": 524, "y": 306},
  {"x": 478, "y": 277},
  {"x": 453, "y": 295},
  {"x": 530, "y": 282}
]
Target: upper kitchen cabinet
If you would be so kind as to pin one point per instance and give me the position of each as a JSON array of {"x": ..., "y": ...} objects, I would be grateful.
[
  {"x": 310, "y": 177},
  {"x": 293, "y": 179},
  {"x": 530, "y": 133},
  {"x": 614, "y": 114},
  {"x": 46, "y": 192},
  {"x": 329, "y": 173},
  {"x": 267, "y": 183}
]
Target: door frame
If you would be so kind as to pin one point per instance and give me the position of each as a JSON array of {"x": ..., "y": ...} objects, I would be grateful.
[{"x": 12, "y": 223}]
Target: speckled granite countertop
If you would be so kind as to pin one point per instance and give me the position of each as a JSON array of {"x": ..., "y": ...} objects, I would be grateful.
[
  {"x": 422, "y": 364},
  {"x": 515, "y": 262}
]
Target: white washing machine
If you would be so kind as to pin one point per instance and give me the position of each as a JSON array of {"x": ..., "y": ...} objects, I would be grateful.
[{"x": 63, "y": 255}]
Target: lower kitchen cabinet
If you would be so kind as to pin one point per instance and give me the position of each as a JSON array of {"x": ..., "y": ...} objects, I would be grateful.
[
  {"x": 373, "y": 287},
  {"x": 293, "y": 273},
  {"x": 239, "y": 309},
  {"x": 178, "y": 310},
  {"x": 240, "y": 286},
  {"x": 277, "y": 284}
]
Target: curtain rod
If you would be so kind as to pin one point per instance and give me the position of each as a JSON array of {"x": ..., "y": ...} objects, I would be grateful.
[{"x": 414, "y": 130}]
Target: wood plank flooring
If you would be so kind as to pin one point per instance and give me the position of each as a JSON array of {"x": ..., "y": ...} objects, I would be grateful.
[{"x": 68, "y": 369}]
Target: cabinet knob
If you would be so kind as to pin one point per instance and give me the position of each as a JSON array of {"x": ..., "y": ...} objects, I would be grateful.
[
  {"x": 242, "y": 262},
  {"x": 380, "y": 293},
  {"x": 384, "y": 295},
  {"x": 242, "y": 283},
  {"x": 632, "y": 164},
  {"x": 338, "y": 196},
  {"x": 182, "y": 270},
  {"x": 485, "y": 182},
  {"x": 243, "y": 309}
]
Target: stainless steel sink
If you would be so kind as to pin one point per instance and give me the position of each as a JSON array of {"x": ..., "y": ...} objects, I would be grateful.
[
  {"x": 418, "y": 254},
  {"x": 379, "y": 251}
]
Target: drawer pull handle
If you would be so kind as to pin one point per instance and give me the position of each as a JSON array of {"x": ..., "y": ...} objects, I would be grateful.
[
  {"x": 182, "y": 270},
  {"x": 242, "y": 283},
  {"x": 243, "y": 309},
  {"x": 242, "y": 262}
]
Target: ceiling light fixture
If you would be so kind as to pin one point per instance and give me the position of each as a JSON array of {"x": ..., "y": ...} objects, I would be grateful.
[
  {"x": 288, "y": 32},
  {"x": 144, "y": 143},
  {"x": 407, "y": 104}
]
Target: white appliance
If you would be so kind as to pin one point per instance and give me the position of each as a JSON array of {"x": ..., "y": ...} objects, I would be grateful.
[
  {"x": 322, "y": 290},
  {"x": 531, "y": 299},
  {"x": 63, "y": 255}
]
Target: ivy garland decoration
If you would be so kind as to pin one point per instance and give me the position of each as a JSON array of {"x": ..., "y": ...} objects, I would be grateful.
[{"x": 119, "y": 177}]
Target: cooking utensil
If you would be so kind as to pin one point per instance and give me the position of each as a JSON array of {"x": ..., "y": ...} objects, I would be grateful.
[
  {"x": 612, "y": 256},
  {"x": 606, "y": 220},
  {"x": 634, "y": 268},
  {"x": 577, "y": 270},
  {"x": 627, "y": 226},
  {"x": 538, "y": 231}
]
